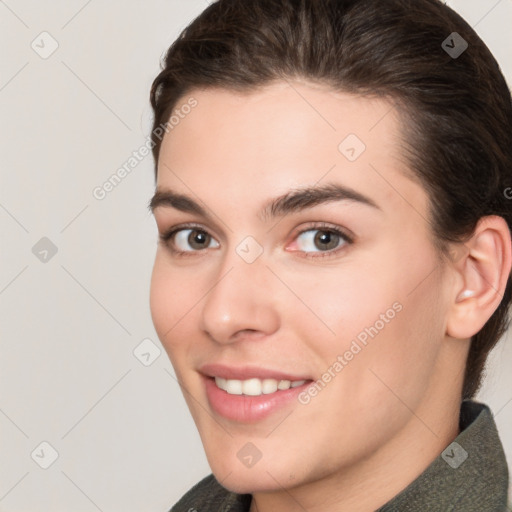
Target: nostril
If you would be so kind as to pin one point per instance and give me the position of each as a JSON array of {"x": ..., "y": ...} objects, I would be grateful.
[{"x": 251, "y": 334}]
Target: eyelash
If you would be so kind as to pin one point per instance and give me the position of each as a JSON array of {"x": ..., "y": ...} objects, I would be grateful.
[
  {"x": 329, "y": 228},
  {"x": 166, "y": 236}
]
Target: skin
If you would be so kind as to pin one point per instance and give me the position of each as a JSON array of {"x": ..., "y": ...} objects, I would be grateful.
[{"x": 298, "y": 306}]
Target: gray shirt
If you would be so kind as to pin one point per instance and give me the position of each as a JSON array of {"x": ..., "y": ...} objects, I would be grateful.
[{"x": 470, "y": 475}]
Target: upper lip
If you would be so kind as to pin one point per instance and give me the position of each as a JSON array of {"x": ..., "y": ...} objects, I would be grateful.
[{"x": 246, "y": 372}]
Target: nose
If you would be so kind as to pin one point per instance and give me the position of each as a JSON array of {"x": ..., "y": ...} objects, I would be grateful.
[{"x": 240, "y": 303}]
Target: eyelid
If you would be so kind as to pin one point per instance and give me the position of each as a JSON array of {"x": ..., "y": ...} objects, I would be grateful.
[
  {"x": 347, "y": 236},
  {"x": 326, "y": 226},
  {"x": 166, "y": 236}
]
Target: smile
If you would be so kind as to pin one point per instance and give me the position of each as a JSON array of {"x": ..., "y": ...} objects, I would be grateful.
[{"x": 255, "y": 386}]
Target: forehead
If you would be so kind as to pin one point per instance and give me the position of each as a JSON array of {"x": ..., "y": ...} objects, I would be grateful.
[
  {"x": 282, "y": 136},
  {"x": 292, "y": 110}
]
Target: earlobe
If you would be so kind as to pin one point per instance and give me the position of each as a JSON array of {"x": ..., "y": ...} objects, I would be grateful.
[{"x": 483, "y": 270}]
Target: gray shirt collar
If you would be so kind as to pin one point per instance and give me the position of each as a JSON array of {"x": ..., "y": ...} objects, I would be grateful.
[{"x": 471, "y": 474}]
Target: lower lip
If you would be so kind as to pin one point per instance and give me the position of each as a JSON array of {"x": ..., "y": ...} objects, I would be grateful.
[{"x": 245, "y": 408}]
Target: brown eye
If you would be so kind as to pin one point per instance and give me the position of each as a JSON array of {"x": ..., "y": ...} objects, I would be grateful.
[
  {"x": 198, "y": 239},
  {"x": 320, "y": 240},
  {"x": 326, "y": 240},
  {"x": 188, "y": 240}
]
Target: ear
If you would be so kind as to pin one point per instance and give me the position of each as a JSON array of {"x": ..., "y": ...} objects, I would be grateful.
[{"x": 483, "y": 266}]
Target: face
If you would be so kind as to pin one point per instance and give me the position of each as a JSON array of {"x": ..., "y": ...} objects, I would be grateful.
[{"x": 296, "y": 289}]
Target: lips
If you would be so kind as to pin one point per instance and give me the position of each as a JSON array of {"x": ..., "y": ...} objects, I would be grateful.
[
  {"x": 248, "y": 372},
  {"x": 249, "y": 394}
]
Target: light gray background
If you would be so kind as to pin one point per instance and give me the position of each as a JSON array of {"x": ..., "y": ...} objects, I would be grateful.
[{"x": 70, "y": 325}]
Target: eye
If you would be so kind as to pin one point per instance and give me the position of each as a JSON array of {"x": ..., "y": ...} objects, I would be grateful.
[
  {"x": 189, "y": 240},
  {"x": 320, "y": 240}
]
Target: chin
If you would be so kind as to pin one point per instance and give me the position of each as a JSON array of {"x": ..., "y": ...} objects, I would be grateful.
[
  {"x": 263, "y": 476},
  {"x": 248, "y": 481}
]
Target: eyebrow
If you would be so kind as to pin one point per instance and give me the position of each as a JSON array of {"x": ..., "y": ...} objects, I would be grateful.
[{"x": 293, "y": 201}]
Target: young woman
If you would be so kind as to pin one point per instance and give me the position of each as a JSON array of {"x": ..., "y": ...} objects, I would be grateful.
[{"x": 334, "y": 202}]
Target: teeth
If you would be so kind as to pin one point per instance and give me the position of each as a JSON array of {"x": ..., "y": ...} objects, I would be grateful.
[
  {"x": 255, "y": 387},
  {"x": 251, "y": 387},
  {"x": 269, "y": 386},
  {"x": 284, "y": 384},
  {"x": 234, "y": 387}
]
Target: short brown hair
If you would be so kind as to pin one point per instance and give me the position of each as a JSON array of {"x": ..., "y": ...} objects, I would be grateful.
[{"x": 457, "y": 108}]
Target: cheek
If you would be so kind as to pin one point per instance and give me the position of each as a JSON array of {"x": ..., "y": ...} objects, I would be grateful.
[
  {"x": 171, "y": 303},
  {"x": 386, "y": 318},
  {"x": 342, "y": 301},
  {"x": 400, "y": 364}
]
